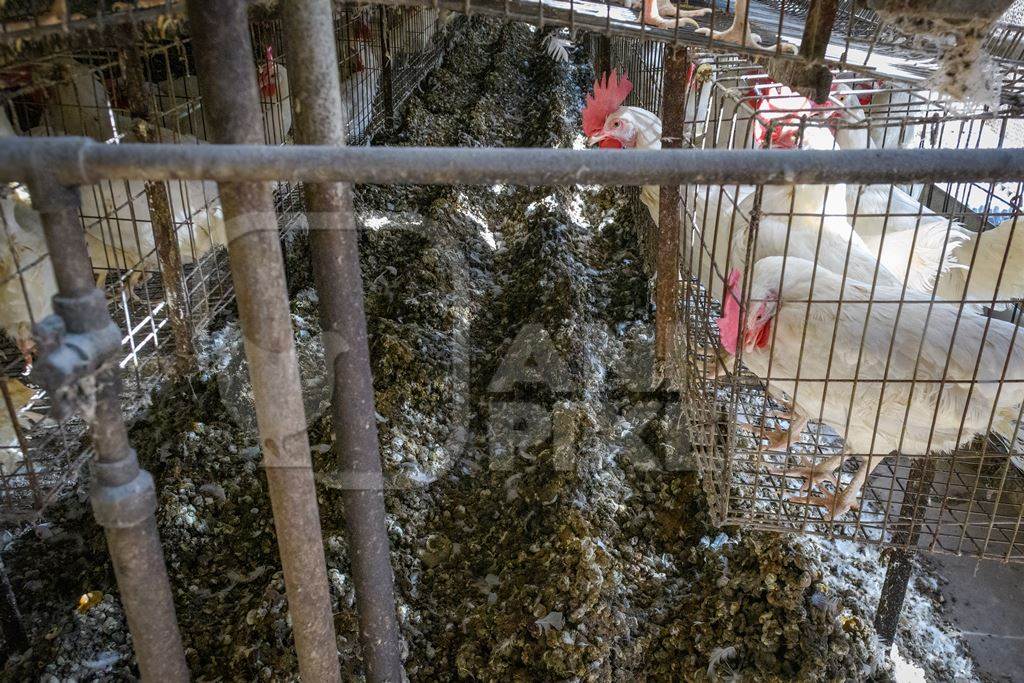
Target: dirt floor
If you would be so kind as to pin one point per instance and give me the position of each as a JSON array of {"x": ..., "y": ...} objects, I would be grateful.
[{"x": 542, "y": 526}]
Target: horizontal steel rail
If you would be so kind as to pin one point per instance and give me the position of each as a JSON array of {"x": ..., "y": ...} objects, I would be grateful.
[{"x": 81, "y": 161}]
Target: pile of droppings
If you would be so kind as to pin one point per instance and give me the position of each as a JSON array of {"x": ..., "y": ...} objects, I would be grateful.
[{"x": 541, "y": 523}]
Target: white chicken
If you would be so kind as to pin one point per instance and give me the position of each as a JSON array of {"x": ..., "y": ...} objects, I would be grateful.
[
  {"x": 79, "y": 104},
  {"x": 957, "y": 263},
  {"x": 917, "y": 377},
  {"x": 27, "y": 281},
  {"x": 808, "y": 220},
  {"x": 179, "y": 105},
  {"x": 118, "y": 224},
  {"x": 275, "y": 99}
]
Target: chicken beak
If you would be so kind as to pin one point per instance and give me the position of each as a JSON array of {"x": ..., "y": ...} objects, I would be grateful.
[{"x": 595, "y": 139}]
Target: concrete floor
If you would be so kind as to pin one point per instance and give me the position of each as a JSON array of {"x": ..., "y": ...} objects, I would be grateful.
[{"x": 985, "y": 600}]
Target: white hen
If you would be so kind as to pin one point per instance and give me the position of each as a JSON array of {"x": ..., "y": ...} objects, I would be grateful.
[
  {"x": 917, "y": 377},
  {"x": 27, "y": 282},
  {"x": 118, "y": 224}
]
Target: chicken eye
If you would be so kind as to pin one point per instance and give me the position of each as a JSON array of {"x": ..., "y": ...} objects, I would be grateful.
[{"x": 617, "y": 124}]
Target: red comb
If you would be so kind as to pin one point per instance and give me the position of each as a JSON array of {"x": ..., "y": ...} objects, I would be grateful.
[
  {"x": 266, "y": 77},
  {"x": 606, "y": 98},
  {"x": 729, "y": 323}
]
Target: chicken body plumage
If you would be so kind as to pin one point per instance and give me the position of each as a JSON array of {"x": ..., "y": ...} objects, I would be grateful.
[
  {"x": 916, "y": 377},
  {"x": 28, "y": 297}
]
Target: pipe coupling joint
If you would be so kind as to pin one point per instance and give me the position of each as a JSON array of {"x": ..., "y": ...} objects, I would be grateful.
[{"x": 124, "y": 505}]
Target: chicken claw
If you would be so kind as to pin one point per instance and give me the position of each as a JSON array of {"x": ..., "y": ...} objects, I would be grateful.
[
  {"x": 779, "y": 440},
  {"x": 751, "y": 40},
  {"x": 838, "y": 504},
  {"x": 740, "y": 34},
  {"x": 651, "y": 14},
  {"x": 813, "y": 475}
]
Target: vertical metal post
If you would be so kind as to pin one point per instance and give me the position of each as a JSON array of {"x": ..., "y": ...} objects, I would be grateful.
[
  {"x": 11, "y": 624},
  {"x": 603, "y": 58},
  {"x": 123, "y": 495},
  {"x": 387, "y": 68},
  {"x": 897, "y": 574},
  {"x": 227, "y": 81},
  {"x": 319, "y": 120},
  {"x": 810, "y": 76},
  {"x": 164, "y": 232},
  {"x": 675, "y": 85}
]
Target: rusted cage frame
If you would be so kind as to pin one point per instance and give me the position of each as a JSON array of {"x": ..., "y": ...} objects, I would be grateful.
[
  {"x": 68, "y": 159},
  {"x": 846, "y": 51},
  {"x": 960, "y": 130},
  {"x": 144, "y": 314}
]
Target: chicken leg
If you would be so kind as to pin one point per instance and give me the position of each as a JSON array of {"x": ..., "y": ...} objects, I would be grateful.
[
  {"x": 779, "y": 440},
  {"x": 838, "y": 503},
  {"x": 739, "y": 33},
  {"x": 663, "y": 14},
  {"x": 815, "y": 474}
]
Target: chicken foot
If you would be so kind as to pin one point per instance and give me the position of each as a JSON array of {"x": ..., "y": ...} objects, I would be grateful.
[
  {"x": 838, "y": 503},
  {"x": 779, "y": 440},
  {"x": 812, "y": 475},
  {"x": 739, "y": 33},
  {"x": 663, "y": 14}
]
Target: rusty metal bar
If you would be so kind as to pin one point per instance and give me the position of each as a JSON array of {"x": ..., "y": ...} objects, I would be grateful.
[
  {"x": 168, "y": 253},
  {"x": 387, "y": 62},
  {"x": 19, "y": 437},
  {"x": 810, "y": 76},
  {"x": 673, "y": 116},
  {"x": 11, "y": 625},
  {"x": 334, "y": 242},
  {"x": 84, "y": 161},
  {"x": 227, "y": 82},
  {"x": 123, "y": 495},
  {"x": 901, "y": 564}
]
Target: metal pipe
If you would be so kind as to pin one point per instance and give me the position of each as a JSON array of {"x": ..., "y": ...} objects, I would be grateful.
[
  {"x": 227, "y": 82},
  {"x": 901, "y": 557},
  {"x": 334, "y": 242},
  {"x": 84, "y": 161},
  {"x": 123, "y": 495},
  {"x": 673, "y": 113}
]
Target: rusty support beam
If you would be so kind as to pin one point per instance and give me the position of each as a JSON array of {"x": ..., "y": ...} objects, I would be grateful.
[
  {"x": 809, "y": 75},
  {"x": 901, "y": 557},
  {"x": 355, "y": 465},
  {"x": 123, "y": 495},
  {"x": 165, "y": 236},
  {"x": 227, "y": 82},
  {"x": 675, "y": 86},
  {"x": 387, "y": 83}
]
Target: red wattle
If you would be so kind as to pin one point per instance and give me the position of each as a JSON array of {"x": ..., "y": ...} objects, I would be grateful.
[{"x": 610, "y": 143}]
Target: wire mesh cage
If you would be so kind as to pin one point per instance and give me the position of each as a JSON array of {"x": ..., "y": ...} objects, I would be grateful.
[
  {"x": 961, "y": 48},
  {"x": 831, "y": 324},
  {"x": 158, "y": 249}
]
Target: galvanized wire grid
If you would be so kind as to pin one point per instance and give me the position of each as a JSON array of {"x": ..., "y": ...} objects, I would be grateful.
[
  {"x": 85, "y": 92},
  {"x": 975, "y": 495},
  {"x": 859, "y": 40}
]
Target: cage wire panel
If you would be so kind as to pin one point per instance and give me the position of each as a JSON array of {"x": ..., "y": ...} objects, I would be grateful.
[
  {"x": 914, "y": 356},
  {"x": 870, "y": 42},
  {"x": 83, "y": 86}
]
